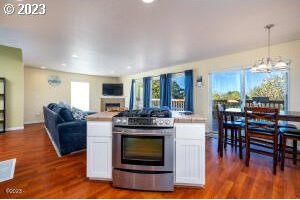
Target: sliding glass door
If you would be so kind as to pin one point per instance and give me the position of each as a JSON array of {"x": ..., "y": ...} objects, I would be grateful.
[{"x": 239, "y": 88}]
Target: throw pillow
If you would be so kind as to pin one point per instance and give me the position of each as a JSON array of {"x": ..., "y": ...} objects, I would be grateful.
[
  {"x": 56, "y": 109},
  {"x": 78, "y": 114},
  {"x": 66, "y": 114},
  {"x": 51, "y": 106},
  {"x": 64, "y": 105}
]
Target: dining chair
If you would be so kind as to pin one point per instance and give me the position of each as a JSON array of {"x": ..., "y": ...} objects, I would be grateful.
[
  {"x": 261, "y": 126},
  {"x": 294, "y": 135},
  {"x": 235, "y": 127}
]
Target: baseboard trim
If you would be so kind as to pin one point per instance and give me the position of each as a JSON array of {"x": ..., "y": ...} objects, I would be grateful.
[
  {"x": 53, "y": 143},
  {"x": 15, "y": 128},
  {"x": 34, "y": 122}
]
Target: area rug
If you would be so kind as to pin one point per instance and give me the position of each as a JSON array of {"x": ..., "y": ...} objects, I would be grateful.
[{"x": 7, "y": 169}]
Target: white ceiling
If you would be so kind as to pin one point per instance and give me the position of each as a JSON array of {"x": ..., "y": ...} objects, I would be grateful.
[{"x": 110, "y": 35}]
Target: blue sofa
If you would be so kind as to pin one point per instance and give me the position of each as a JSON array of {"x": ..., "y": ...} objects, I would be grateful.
[{"x": 67, "y": 134}]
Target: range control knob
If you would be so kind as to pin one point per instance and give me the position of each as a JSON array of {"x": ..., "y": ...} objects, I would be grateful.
[
  {"x": 154, "y": 121},
  {"x": 161, "y": 122},
  {"x": 167, "y": 122}
]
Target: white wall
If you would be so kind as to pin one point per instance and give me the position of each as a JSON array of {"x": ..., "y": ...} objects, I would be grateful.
[
  {"x": 38, "y": 92},
  {"x": 205, "y": 67}
]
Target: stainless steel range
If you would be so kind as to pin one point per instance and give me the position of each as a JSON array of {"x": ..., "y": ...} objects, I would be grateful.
[{"x": 143, "y": 150}]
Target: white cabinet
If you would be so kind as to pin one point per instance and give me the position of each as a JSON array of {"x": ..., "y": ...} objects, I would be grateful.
[
  {"x": 99, "y": 150},
  {"x": 190, "y": 154}
]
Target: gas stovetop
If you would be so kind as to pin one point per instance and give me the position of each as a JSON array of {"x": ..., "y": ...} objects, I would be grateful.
[
  {"x": 144, "y": 118},
  {"x": 154, "y": 112}
]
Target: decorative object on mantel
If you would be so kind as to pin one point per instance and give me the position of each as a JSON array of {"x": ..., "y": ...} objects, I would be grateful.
[
  {"x": 54, "y": 80},
  {"x": 269, "y": 64}
]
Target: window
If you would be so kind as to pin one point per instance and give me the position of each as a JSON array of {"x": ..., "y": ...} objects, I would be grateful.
[
  {"x": 155, "y": 88},
  {"x": 178, "y": 92},
  {"x": 138, "y": 102},
  {"x": 80, "y": 95}
]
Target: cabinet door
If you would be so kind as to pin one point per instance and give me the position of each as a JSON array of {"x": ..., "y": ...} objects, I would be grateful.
[
  {"x": 190, "y": 162},
  {"x": 99, "y": 163}
]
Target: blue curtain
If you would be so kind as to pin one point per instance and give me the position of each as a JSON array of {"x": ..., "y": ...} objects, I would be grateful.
[
  {"x": 188, "y": 82},
  {"x": 162, "y": 91},
  {"x": 165, "y": 91},
  {"x": 147, "y": 92},
  {"x": 131, "y": 102},
  {"x": 168, "y": 97}
]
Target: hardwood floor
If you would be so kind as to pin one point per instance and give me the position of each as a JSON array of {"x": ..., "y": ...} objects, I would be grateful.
[{"x": 41, "y": 174}]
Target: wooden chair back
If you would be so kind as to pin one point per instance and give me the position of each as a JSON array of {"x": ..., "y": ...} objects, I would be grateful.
[{"x": 258, "y": 118}]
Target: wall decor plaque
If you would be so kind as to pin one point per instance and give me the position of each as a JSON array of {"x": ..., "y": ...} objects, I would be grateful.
[{"x": 54, "y": 80}]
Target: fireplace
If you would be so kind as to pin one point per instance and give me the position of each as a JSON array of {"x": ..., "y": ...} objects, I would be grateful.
[{"x": 112, "y": 106}]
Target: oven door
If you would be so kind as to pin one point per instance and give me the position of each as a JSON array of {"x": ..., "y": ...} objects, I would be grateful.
[{"x": 147, "y": 150}]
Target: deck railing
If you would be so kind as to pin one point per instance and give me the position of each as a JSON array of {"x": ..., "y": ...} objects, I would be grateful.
[
  {"x": 236, "y": 104},
  {"x": 177, "y": 104},
  {"x": 249, "y": 103}
]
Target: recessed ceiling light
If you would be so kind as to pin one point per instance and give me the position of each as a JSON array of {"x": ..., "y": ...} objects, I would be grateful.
[
  {"x": 43, "y": 67},
  {"x": 74, "y": 56},
  {"x": 148, "y": 1},
  {"x": 128, "y": 67},
  {"x": 64, "y": 64}
]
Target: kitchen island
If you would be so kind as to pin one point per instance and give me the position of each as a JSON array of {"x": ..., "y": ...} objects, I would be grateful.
[{"x": 189, "y": 148}]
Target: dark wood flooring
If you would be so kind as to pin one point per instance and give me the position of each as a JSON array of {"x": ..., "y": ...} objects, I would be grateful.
[{"x": 41, "y": 174}]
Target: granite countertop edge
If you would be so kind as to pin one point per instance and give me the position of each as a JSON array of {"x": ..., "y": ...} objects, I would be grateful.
[{"x": 107, "y": 116}]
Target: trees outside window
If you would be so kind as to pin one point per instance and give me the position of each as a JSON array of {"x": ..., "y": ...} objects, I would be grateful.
[
  {"x": 178, "y": 92},
  {"x": 155, "y": 92},
  {"x": 272, "y": 87}
]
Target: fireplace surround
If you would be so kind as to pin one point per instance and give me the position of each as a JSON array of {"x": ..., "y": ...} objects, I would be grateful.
[{"x": 111, "y": 102}]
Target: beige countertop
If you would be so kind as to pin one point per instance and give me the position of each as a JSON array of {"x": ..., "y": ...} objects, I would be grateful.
[
  {"x": 101, "y": 116},
  {"x": 179, "y": 118}
]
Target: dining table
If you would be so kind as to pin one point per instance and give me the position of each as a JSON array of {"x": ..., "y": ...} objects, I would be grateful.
[
  {"x": 286, "y": 116},
  {"x": 289, "y": 116}
]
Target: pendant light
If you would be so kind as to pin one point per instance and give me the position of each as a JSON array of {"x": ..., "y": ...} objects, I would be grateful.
[{"x": 268, "y": 64}]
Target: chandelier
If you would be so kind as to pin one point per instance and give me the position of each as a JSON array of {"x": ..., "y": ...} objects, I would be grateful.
[{"x": 269, "y": 64}]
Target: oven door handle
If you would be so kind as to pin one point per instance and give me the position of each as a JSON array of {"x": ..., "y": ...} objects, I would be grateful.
[{"x": 144, "y": 134}]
